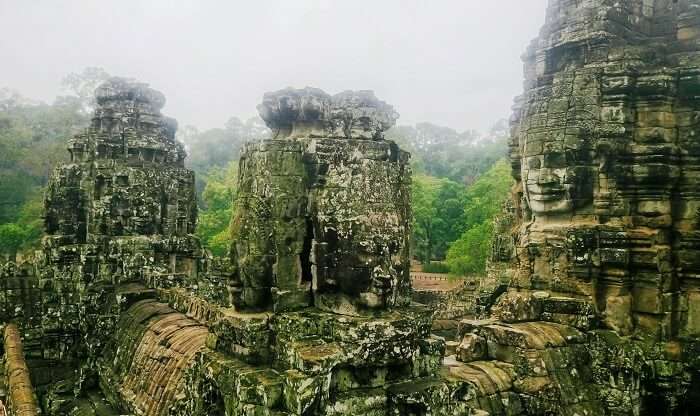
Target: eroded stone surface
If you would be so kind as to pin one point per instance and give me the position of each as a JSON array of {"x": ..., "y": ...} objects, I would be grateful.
[
  {"x": 310, "y": 112},
  {"x": 321, "y": 220},
  {"x": 600, "y": 239},
  {"x": 605, "y": 152},
  {"x": 123, "y": 312}
]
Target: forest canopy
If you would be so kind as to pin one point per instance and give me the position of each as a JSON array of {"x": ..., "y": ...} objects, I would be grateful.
[
  {"x": 33, "y": 138},
  {"x": 460, "y": 181}
]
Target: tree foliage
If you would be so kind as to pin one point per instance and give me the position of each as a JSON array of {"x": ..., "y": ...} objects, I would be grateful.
[
  {"x": 456, "y": 189},
  {"x": 11, "y": 238},
  {"x": 25, "y": 232},
  {"x": 483, "y": 202},
  {"x": 438, "y": 208},
  {"x": 444, "y": 153},
  {"x": 216, "y": 148},
  {"x": 468, "y": 254},
  {"x": 219, "y": 196}
]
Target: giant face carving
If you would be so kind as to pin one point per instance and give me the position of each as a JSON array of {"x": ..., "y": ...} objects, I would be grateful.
[
  {"x": 556, "y": 180},
  {"x": 548, "y": 183}
]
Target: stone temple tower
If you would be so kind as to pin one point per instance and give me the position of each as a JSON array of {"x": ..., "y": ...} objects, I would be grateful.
[
  {"x": 127, "y": 172},
  {"x": 118, "y": 218},
  {"x": 605, "y": 154},
  {"x": 324, "y": 209}
]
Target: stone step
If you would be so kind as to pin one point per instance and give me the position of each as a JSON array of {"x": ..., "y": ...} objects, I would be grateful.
[
  {"x": 485, "y": 377},
  {"x": 92, "y": 405},
  {"x": 534, "y": 335},
  {"x": 313, "y": 355}
]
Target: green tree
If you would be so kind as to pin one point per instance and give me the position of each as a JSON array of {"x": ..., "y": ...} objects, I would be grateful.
[
  {"x": 468, "y": 254},
  {"x": 219, "y": 196},
  {"x": 438, "y": 208},
  {"x": 449, "y": 208},
  {"x": 445, "y": 153},
  {"x": 30, "y": 219},
  {"x": 423, "y": 191},
  {"x": 12, "y": 236},
  {"x": 484, "y": 200},
  {"x": 216, "y": 148}
]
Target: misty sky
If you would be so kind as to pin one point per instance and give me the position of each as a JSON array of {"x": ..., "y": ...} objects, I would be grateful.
[{"x": 454, "y": 63}]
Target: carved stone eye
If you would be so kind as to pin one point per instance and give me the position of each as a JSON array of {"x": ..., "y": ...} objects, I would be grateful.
[
  {"x": 555, "y": 160},
  {"x": 534, "y": 163}
]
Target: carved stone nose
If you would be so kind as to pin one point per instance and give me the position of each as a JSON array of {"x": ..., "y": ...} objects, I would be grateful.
[{"x": 546, "y": 176}]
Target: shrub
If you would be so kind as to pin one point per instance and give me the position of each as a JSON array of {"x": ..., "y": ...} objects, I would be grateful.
[{"x": 436, "y": 267}]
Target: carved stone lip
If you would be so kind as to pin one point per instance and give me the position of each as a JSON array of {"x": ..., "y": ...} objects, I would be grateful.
[{"x": 546, "y": 194}]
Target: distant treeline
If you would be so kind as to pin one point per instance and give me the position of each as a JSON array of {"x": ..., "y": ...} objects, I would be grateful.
[
  {"x": 460, "y": 179},
  {"x": 33, "y": 138}
]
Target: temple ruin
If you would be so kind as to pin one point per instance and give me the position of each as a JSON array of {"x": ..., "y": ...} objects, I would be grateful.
[
  {"x": 603, "y": 224},
  {"x": 123, "y": 312},
  {"x": 591, "y": 305},
  {"x": 335, "y": 197}
]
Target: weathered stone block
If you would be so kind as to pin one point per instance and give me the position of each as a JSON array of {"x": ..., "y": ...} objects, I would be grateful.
[
  {"x": 472, "y": 348},
  {"x": 301, "y": 391}
]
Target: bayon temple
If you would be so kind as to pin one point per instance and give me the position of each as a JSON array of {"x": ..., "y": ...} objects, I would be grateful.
[{"x": 591, "y": 305}]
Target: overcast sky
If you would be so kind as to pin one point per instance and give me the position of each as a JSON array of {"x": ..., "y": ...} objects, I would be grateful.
[{"x": 455, "y": 63}]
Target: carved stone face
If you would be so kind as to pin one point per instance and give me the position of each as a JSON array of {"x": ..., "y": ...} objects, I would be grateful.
[
  {"x": 557, "y": 174},
  {"x": 549, "y": 184}
]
